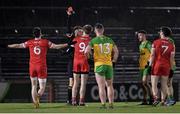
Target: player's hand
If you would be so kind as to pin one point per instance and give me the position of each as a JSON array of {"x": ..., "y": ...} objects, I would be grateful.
[
  {"x": 69, "y": 35},
  {"x": 69, "y": 50},
  {"x": 169, "y": 82},
  {"x": 171, "y": 73},
  {"x": 147, "y": 65},
  {"x": 71, "y": 43}
]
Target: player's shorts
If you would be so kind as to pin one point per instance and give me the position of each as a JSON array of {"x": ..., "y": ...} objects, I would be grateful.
[
  {"x": 70, "y": 68},
  {"x": 39, "y": 71},
  {"x": 81, "y": 66},
  {"x": 143, "y": 72},
  {"x": 160, "y": 70},
  {"x": 105, "y": 70}
]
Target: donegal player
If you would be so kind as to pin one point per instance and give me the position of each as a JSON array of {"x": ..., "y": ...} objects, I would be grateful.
[
  {"x": 145, "y": 51},
  {"x": 103, "y": 48}
]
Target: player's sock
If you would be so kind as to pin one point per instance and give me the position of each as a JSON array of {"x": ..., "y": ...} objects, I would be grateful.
[
  {"x": 74, "y": 102},
  {"x": 69, "y": 100},
  {"x": 38, "y": 98},
  {"x": 81, "y": 102},
  {"x": 36, "y": 105},
  {"x": 170, "y": 97},
  {"x": 34, "y": 93},
  {"x": 156, "y": 101},
  {"x": 34, "y": 96}
]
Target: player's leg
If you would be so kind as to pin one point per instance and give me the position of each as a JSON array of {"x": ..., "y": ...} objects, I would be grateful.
[
  {"x": 42, "y": 79},
  {"x": 42, "y": 86},
  {"x": 34, "y": 89},
  {"x": 101, "y": 85},
  {"x": 143, "y": 83},
  {"x": 148, "y": 89},
  {"x": 84, "y": 78},
  {"x": 75, "y": 88},
  {"x": 164, "y": 80},
  {"x": 145, "y": 90},
  {"x": 110, "y": 92},
  {"x": 170, "y": 93},
  {"x": 154, "y": 82},
  {"x": 109, "y": 84},
  {"x": 170, "y": 90},
  {"x": 70, "y": 74},
  {"x": 70, "y": 91},
  {"x": 33, "y": 77}
]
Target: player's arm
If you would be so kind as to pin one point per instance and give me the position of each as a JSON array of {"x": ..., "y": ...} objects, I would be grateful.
[
  {"x": 151, "y": 60},
  {"x": 69, "y": 12},
  {"x": 172, "y": 60},
  {"x": 16, "y": 45},
  {"x": 172, "y": 63},
  {"x": 115, "y": 53},
  {"x": 87, "y": 51},
  {"x": 152, "y": 56},
  {"x": 60, "y": 46}
]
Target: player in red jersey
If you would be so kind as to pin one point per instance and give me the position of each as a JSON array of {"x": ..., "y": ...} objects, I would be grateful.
[
  {"x": 37, "y": 65},
  {"x": 162, "y": 61},
  {"x": 80, "y": 65}
]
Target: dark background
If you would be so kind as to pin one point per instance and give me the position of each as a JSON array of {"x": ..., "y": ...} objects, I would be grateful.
[{"x": 121, "y": 18}]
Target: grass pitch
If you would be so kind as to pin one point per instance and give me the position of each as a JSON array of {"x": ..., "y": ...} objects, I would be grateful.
[{"x": 120, "y": 107}]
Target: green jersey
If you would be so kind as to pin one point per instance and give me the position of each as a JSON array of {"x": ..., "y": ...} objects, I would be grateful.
[
  {"x": 145, "y": 51},
  {"x": 102, "y": 46}
]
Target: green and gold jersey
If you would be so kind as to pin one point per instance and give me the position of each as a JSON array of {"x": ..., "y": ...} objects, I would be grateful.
[
  {"x": 172, "y": 41},
  {"x": 102, "y": 46},
  {"x": 145, "y": 51}
]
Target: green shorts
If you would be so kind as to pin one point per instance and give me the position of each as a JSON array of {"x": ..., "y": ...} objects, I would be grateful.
[
  {"x": 105, "y": 70},
  {"x": 144, "y": 72}
]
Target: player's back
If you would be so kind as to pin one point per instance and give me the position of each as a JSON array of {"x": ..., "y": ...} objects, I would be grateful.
[
  {"x": 102, "y": 46},
  {"x": 38, "y": 50},
  {"x": 163, "y": 49},
  {"x": 80, "y": 46}
]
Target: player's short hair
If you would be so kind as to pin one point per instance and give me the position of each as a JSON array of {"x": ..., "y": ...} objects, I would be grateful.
[
  {"x": 77, "y": 27},
  {"x": 142, "y": 31},
  {"x": 87, "y": 29},
  {"x": 166, "y": 31},
  {"x": 37, "y": 32},
  {"x": 98, "y": 26}
]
